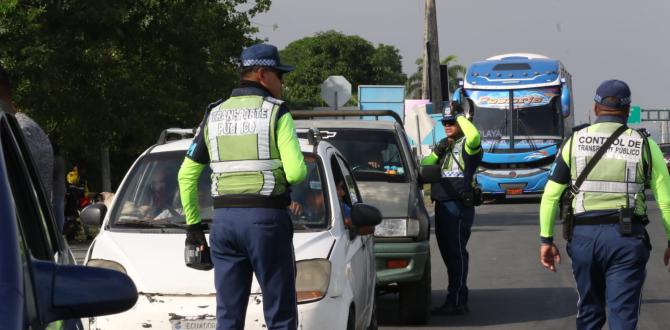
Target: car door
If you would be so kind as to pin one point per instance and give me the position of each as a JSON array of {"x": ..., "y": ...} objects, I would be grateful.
[
  {"x": 38, "y": 236},
  {"x": 363, "y": 275}
]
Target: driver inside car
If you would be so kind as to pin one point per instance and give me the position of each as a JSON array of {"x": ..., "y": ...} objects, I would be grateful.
[{"x": 159, "y": 197}]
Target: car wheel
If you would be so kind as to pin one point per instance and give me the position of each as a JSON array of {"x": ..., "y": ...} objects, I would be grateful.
[
  {"x": 373, "y": 319},
  {"x": 351, "y": 319},
  {"x": 415, "y": 299}
]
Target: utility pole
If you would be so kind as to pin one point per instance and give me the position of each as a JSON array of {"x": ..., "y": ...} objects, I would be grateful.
[{"x": 431, "y": 82}]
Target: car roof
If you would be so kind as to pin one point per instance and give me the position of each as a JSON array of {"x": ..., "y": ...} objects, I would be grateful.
[{"x": 335, "y": 123}]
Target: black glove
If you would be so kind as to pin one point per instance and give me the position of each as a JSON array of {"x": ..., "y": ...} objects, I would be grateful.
[
  {"x": 195, "y": 234},
  {"x": 441, "y": 148},
  {"x": 196, "y": 251}
]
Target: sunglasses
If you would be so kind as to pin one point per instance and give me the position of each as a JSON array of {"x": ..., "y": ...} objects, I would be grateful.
[
  {"x": 279, "y": 74},
  {"x": 448, "y": 122}
]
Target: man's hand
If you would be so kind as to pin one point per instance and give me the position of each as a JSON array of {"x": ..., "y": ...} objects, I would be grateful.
[
  {"x": 295, "y": 208},
  {"x": 374, "y": 164},
  {"x": 666, "y": 257},
  {"x": 549, "y": 256},
  {"x": 195, "y": 235}
]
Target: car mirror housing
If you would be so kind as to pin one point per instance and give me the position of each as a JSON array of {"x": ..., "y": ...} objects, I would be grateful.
[
  {"x": 364, "y": 215},
  {"x": 67, "y": 291},
  {"x": 93, "y": 214},
  {"x": 430, "y": 173}
]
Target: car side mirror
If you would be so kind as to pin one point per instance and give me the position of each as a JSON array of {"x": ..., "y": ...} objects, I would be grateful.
[
  {"x": 363, "y": 215},
  {"x": 93, "y": 214},
  {"x": 430, "y": 173},
  {"x": 68, "y": 292},
  {"x": 364, "y": 218}
]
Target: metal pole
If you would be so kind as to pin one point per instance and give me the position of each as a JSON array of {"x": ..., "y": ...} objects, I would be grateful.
[
  {"x": 335, "y": 100},
  {"x": 106, "y": 172},
  {"x": 418, "y": 133}
]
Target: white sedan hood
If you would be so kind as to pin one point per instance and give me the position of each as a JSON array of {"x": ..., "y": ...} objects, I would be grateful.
[{"x": 155, "y": 262}]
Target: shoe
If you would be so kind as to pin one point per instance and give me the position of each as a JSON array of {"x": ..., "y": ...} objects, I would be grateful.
[{"x": 451, "y": 309}]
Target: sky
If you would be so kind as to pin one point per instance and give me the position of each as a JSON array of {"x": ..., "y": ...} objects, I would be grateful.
[{"x": 595, "y": 39}]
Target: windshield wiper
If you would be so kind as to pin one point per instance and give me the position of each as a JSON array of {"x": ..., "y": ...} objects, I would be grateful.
[
  {"x": 525, "y": 130},
  {"x": 149, "y": 224}
]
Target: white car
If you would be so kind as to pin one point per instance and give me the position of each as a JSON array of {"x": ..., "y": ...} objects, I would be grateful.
[{"x": 143, "y": 235}]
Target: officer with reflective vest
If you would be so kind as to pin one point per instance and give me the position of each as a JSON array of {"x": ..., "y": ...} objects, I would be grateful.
[
  {"x": 459, "y": 154},
  {"x": 608, "y": 243},
  {"x": 250, "y": 143}
]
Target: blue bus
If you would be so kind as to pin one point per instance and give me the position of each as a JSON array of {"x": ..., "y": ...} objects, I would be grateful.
[{"x": 522, "y": 106}]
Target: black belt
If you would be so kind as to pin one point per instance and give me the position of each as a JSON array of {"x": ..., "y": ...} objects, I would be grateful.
[
  {"x": 255, "y": 201},
  {"x": 609, "y": 220}
]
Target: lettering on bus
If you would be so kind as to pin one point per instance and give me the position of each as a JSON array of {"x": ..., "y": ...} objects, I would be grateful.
[{"x": 534, "y": 99}]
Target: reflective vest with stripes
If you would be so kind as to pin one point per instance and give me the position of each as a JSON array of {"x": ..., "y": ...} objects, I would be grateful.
[
  {"x": 617, "y": 180},
  {"x": 241, "y": 139},
  {"x": 453, "y": 179}
]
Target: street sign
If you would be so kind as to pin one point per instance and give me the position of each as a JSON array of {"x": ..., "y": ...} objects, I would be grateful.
[
  {"x": 382, "y": 97},
  {"x": 336, "y": 91},
  {"x": 635, "y": 116},
  {"x": 655, "y": 115}
]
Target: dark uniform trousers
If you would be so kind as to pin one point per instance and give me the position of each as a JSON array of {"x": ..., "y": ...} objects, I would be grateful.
[
  {"x": 609, "y": 269},
  {"x": 453, "y": 225},
  {"x": 253, "y": 240}
]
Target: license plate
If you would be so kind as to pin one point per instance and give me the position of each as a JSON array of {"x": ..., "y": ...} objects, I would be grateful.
[
  {"x": 203, "y": 324},
  {"x": 514, "y": 191}
]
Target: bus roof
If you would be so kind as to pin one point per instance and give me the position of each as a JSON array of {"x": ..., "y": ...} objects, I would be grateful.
[{"x": 514, "y": 71}]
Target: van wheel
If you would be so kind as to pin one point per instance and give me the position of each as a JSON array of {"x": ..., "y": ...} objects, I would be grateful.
[
  {"x": 351, "y": 319},
  {"x": 415, "y": 299}
]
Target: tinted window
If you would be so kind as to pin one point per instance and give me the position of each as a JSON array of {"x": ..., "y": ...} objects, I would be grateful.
[
  {"x": 33, "y": 216},
  {"x": 312, "y": 195},
  {"x": 374, "y": 155},
  {"x": 511, "y": 67}
]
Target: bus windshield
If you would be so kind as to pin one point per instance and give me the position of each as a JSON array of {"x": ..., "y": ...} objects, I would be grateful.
[{"x": 536, "y": 116}]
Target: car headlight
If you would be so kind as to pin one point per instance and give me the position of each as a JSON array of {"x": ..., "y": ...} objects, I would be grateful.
[
  {"x": 312, "y": 279},
  {"x": 101, "y": 263},
  {"x": 398, "y": 228}
]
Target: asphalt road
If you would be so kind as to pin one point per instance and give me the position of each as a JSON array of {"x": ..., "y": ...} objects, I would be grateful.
[{"x": 509, "y": 289}]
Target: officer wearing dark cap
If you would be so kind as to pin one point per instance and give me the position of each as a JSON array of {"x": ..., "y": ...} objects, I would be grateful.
[
  {"x": 459, "y": 154},
  {"x": 249, "y": 142},
  {"x": 607, "y": 241}
]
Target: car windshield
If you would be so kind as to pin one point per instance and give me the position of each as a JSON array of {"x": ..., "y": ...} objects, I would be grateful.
[
  {"x": 150, "y": 199},
  {"x": 374, "y": 155}
]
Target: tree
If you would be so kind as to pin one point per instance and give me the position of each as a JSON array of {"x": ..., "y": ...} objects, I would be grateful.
[
  {"x": 454, "y": 70},
  {"x": 99, "y": 73},
  {"x": 333, "y": 53}
]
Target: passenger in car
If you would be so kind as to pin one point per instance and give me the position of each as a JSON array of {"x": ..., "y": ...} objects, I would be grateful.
[{"x": 160, "y": 196}]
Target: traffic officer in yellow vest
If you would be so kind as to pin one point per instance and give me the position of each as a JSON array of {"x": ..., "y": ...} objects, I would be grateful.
[
  {"x": 607, "y": 241},
  {"x": 459, "y": 154},
  {"x": 249, "y": 142}
]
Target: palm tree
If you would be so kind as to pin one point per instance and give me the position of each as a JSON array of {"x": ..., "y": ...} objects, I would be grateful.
[{"x": 455, "y": 72}]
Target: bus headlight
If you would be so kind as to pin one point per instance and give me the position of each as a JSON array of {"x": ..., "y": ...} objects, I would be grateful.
[
  {"x": 398, "y": 228},
  {"x": 312, "y": 279}
]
